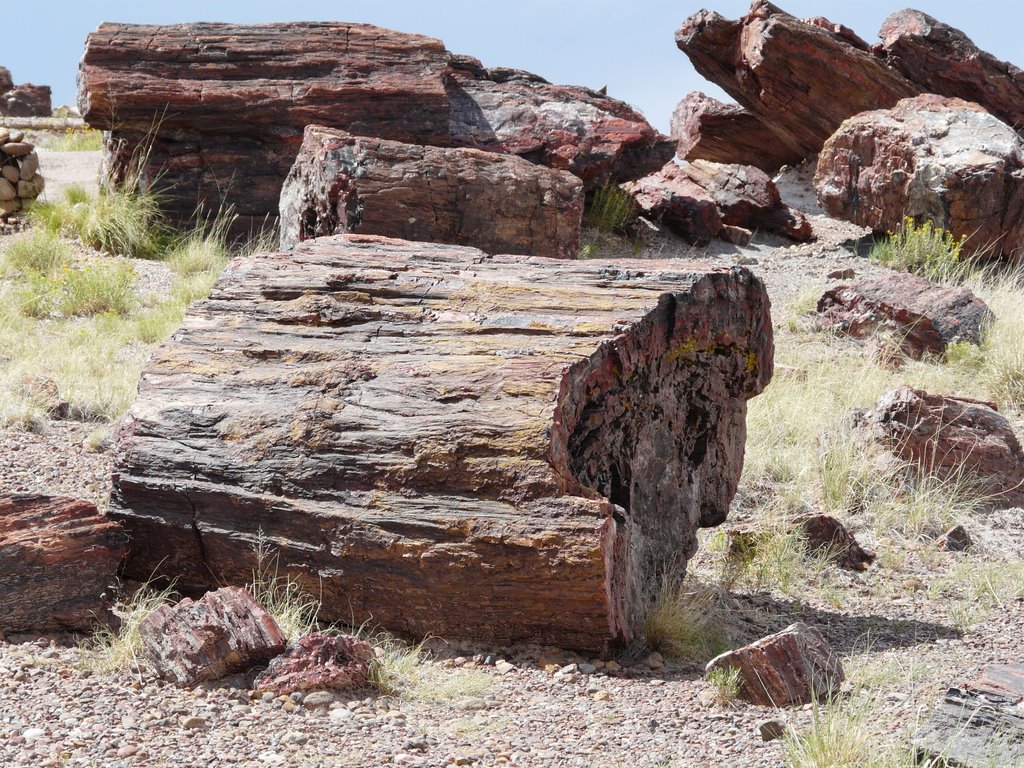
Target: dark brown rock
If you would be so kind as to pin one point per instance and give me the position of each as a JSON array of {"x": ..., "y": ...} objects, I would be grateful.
[
  {"x": 224, "y": 107},
  {"x": 318, "y": 662},
  {"x": 956, "y": 539},
  {"x": 794, "y": 666},
  {"x": 58, "y": 563},
  {"x": 826, "y": 535},
  {"x": 27, "y": 100},
  {"x": 499, "y": 203},
  {"x": 799, "y": 78},
  {"x": 923, "y": 317},
  {"x": 697, "y": 199},
  {"x": 706, "y": 129},
  {"x": 955, "y": 438},
  {"x": 943, "y": 60},
  {"x": 446, "y": 442},
  {"x": 934, "y": 159},
  {"x": 225, "y": 631}
]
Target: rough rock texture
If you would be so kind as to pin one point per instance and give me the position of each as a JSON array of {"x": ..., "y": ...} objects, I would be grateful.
[
  {"x": 790, "y": 667},
  {"x": 825, "y": 534},
  {"x": 801, "y": 79},
  {"x": 27, "y": 100},
  {"x": 706, "y": 129},
  {"x": 942, "y": 59},
  {"x": 229, "y": 104},
  {"x": 317, "y": 662},
  {"x": 223, "y": 632},
  {"x": 932, "y": 158},
  {"x": 498, "y": 203},
  {"x": 449, "y": 443},
  {"x": 58, "y": 562},
  {"x": 953, "y": 437},
  {"x": 575, "y": 129},
  {"x": 978, "y": 724},
  {"x": 923, "y": 317},
  {"x": 697, "y": 199}
]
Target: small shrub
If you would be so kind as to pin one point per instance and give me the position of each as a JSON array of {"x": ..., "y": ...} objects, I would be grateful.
[
  {"x": 611, "y": 210},
  {"x": 725, "y": 684},
  {"x": 112, "y": 650},
  {"x": 39, "y": 251},
  {"x": 96, "y": 287},
  {"x": 922, "y": 249},
  {"x": 687, "y": 622}
]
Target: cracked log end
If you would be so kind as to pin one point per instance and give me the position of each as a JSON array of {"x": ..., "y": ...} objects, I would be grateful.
[{"x": 446, "y": 442}]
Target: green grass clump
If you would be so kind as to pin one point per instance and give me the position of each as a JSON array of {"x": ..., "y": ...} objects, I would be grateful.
[
  {"x": 845, "y": 734},
  {"x": 687, "y": 622},
  {"x": 611, "y": 210},
  {"x": 80, "y": 290},
  {"x": 294, "y": 609},
  {"x": 35, "y": 252},
  {"x": 73, "y": 140},
  {"x": 115, "y": 650},
  {"x": 922, "y": 249}
]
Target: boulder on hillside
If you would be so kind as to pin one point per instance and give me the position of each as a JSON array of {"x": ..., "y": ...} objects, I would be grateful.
[
  {"x": 934, "y": 159},
  {"x": 499, "y": 203},
  {"x": 223, "y": 632},
  {"x": 698, "y": 199},
  {"x": 794, "y": 666},
  {"x": 924, "y": 318},
  {"x": 506, "y": 448},
  {"x": 58, "y": 563},
  {"x": 941, "y": 59},
  {"x": 956, "y": 438},
  {"x": 318, "y": 662},
  {"x": 223, "y": 107},
  {"x": 801, "y": 79},
  {"x": 706, "y": 129}
]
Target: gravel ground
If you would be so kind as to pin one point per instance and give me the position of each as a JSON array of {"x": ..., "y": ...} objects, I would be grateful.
[
  {"x": 909, "y": 640},
  {"x": 64, "y": 169}
]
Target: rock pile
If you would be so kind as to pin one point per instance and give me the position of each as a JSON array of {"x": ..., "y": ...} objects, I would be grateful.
[
  {"x": 20, "y": 180},
  {"x": 26, "y": 100}
]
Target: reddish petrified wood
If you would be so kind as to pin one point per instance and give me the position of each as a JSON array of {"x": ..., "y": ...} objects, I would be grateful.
[
  {"x": 956, "y": 438},
  {"x": 318, "y": 662},
  {"x": 800, "y": 78},
  {"x": 942, "y": 59},
  {"x": 827, "y": 536},
  {"x": 223, "y": 632},
  {"x": 923, "y": 317},
  {"x": 501, "y": 204},
  {"x": 794, "y": 666},
  {"x": 498, "y": 447},
  {"x": 706, "y": 129},
  {"x": 58, "y": 561}
]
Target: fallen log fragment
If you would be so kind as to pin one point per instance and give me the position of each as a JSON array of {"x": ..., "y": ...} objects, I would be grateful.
[{"x": 444, "y": 442}]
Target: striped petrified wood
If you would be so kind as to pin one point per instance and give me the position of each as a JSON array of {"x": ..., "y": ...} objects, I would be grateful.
[{"x": 446, "y": 442}]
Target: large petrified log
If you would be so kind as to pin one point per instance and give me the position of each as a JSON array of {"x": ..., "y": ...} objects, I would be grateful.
[
  {"x": 499, "y": 203},
  {"x": 222, "y": 107},
  {"x": 58, "y": 561},
  {"x": 942, "y": 59},
  {"x": 447, "y": 442},
  {"x": 932, "y": 158},
  {"x": 707, "y": 129},
  {"x": 802, "y": 79},
  {"x": 26, "y": 100}
]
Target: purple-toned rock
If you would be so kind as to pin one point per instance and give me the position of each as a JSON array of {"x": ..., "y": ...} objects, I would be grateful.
[
  {"x": 318, "y": 662},
  {"x": 827, "y": 536},
  {"x": 499, "y": 203},
  {"x": 942, "y": 59},
  {"x": 697, "y": 199},
  {"x": 934, "y": 159},
  {"x": 794, "y": 666},
  {"x": 955, "y": 438},
  {"x": 225, "y": 631},
  {"x": 924, "y": 318},
  {"x": 58, "y": 562},
  {"x": 707, "y": 129}
]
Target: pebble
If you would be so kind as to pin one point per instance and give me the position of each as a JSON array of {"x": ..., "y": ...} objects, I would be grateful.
[
  {"x": 193, "y": 722},
  {"x": 504, "y": 667}
]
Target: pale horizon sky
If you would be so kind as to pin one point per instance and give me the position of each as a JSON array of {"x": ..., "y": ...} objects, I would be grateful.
[{"x": 630, "y": 47}]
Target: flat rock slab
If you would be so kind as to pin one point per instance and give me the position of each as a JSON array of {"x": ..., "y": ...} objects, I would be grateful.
[
  {"x": 223, "y": 632},
  {"x": 507, "y": 448},
  {"x": 58, "y": 563},
  {"x": 794, "y": 666},
  {"x": 499, "y": 203}
]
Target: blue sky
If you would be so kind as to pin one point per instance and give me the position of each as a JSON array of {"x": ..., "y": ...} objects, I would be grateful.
[{"x": 628, "y": 46}]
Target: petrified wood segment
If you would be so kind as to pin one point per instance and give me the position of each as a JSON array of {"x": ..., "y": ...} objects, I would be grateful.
[
  {"x": 451, "y": 443},
  {"x": 58, "y": 561},
  {"x": 499, "y": 203},
  {"x": 800, "y": 78}
]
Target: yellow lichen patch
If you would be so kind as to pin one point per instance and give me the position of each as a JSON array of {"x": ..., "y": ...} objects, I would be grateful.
[{"x": 538, "y": 389}]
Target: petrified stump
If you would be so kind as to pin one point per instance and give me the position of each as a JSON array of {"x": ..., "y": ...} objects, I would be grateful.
[
  {"x": 224, "y": 106},
  {"x": 934, "y": 159},
  {"x": 802, "y": 79},
  {"x": 223, "y": 632},
  {"x": 58, "y": 559},
  {"x": 449, "y": 443},
  {"x": 499, "y": 203}
]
